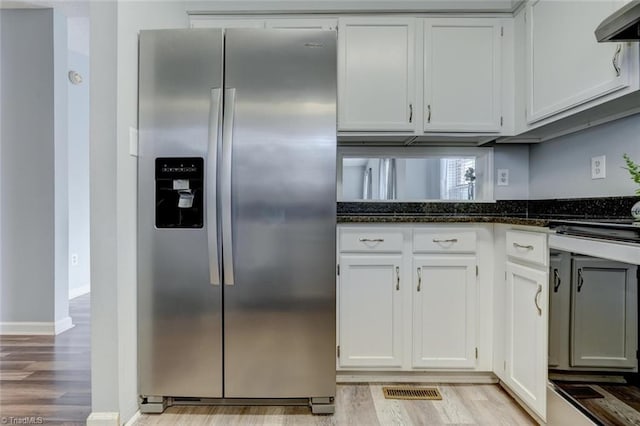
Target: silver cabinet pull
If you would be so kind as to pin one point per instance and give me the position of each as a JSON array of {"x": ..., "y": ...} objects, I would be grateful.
[
  {"x": 371, "y": 240},
  {"x": 535, "y": 300},
  {"x": 428, "y": 113},
  {"x": 616, "y": 59},
  {"x": 556, "y": 280},
  {"x": 580, "y": 280},
  {"x": 520, "y": 246},
  {"x": 419, "y": 278},
  {"x": 397, "y": 278},
  {"x": 225, "y": 174},
  {"x": 215, "y": 118},
  {"x": 410, "y": 113},
  {"x": 450, "y": 240}
]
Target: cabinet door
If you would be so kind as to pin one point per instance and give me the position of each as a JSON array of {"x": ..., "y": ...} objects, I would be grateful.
[
  {"x": 370, "y": 311},
  {"x": 526, "y": 340},
  {"x": 559, "y": 309},
  {"x": 444, "y": 311},
  {"x": 604, "y": 314},
  {"x": 462, "y": 79},
  {"x": 566, "y": 65},
  {"x": 376, "y": 73}
]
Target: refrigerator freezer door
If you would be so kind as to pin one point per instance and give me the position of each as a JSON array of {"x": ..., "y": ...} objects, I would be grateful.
[
  {"x": 280, "y": 312},
  {"x": 179, "y": 311}
]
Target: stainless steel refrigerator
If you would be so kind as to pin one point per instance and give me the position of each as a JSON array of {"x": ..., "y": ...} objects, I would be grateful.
[{"x": 236, "y": 217}]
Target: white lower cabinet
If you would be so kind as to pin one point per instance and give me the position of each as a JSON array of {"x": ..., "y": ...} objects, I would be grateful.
[
  {"x": 370, "y": 311},
  {"x": 444, "y": 311},
  {"x": 408, "y": 298},
  {"x": 526, "y": 339}
]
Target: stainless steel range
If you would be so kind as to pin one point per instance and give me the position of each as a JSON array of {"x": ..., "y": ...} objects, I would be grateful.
[{"x": 623, "y": 230}]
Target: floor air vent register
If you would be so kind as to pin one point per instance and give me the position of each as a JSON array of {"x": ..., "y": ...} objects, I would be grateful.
[{"x": 411, "y": 392}]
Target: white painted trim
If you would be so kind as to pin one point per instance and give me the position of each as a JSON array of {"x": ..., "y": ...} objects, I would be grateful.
[
  {"x": 415, "y": 377},
  {"x": 63, "y": 325},
  {"x": 103, "y": 419},
  {"x": 133, "y": 419},
  {"x": 79, "y": 291},
  {"x": 28, "y": 328}
]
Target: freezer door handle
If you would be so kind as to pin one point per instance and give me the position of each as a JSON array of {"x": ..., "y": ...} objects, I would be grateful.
[
  {"x": 215, "y": 115},
  {"x": 225, "y": 188}
]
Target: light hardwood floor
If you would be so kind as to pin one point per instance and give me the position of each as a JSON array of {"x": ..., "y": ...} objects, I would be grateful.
[
  {"x": 364, "y": 404},
  {"x": 48, "y": 377}
]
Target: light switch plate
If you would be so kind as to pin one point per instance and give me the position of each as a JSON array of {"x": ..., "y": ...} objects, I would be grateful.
[
  {"x": 133, "y": 142},
  {"x": 598, "y": 167},
  {"x": 503, "y": 177}
]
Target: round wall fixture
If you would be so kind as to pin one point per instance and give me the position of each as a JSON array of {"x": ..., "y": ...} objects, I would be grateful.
[{"x": 75, "y": 77}]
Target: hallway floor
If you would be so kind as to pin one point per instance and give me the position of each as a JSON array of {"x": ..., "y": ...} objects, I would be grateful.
[{"x": 48, "y": 377}]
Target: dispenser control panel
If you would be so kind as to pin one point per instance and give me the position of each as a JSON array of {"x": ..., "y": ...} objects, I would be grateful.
[{"x": 179, "y": 192}]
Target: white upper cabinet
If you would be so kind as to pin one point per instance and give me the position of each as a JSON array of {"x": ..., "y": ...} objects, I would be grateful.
[
  {"x": 566, "y": 67},
  {"x": 462, "y": 75},
  {"x": 376, "y": 74}
]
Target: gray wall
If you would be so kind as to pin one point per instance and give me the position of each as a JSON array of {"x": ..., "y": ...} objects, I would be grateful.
[
  {"x": 561, "y": 168},
  {"x": 514, "y": 158},
  {"x": 78, "y": 107},
  {"x": 33, "y": 181}
]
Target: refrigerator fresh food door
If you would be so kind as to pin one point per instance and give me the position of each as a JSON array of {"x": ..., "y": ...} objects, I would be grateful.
[
  {"x": 179, "y": 291},
  {"x": 279, "y": 229}
]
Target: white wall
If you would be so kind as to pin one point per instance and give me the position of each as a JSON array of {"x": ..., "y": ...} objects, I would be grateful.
[
  {"x": 561, "y": 168},
  {"x": 33, "y": 196},
  {"x": 114, "y": 33},
  {"x": 78, "y": 108}
]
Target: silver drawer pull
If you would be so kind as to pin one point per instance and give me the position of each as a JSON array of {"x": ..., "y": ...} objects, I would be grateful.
[
  {"x": 520, "y": 246},
  {"x": 450, "y": 240},
  {"x": 371, "y": 240}
]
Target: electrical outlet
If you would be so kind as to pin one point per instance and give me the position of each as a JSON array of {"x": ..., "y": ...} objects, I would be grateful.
[
  {"x": 503, "y": 177},
  {"x": 598, "y": 167},
  {"x": 74, "y": 259}
]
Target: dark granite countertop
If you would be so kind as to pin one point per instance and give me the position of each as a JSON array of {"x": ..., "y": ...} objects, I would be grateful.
[
  {"x": 513, "y": 212},
  {"x": 381, "y": 218}
]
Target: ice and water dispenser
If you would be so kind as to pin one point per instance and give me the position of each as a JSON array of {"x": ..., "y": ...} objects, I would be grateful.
[{"x": 179, "y": 192}]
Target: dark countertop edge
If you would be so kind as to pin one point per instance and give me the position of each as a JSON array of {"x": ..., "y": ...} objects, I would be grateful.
[{"x": 442, "y": 219}]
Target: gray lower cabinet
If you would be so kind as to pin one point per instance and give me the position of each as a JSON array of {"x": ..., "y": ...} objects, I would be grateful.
[
  {"x": 603, "y": 314},
  {"x": 592, "y": 314}
]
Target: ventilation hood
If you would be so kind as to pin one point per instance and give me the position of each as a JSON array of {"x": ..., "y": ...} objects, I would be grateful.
[{"x": 622, "y": 25}]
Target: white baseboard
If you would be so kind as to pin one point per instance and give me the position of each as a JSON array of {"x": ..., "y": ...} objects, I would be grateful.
[
  {"x": 103, "y": 419},
  {"x": 36, "y": 328},
  {"x": 62, "y": 325},
  {"x": 79, "y": 291},
  {"x": 415, "y": 377},
  {"x": 133, "y": 419},
  {"x": 27, "y": 328}
]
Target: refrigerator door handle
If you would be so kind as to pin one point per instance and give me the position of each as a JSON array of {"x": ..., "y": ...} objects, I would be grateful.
[
  {"x": 225, "y": 198},
  {"x": 215, "y": 115}
]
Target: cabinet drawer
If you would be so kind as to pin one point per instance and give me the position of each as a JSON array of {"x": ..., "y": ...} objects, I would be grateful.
[
  {"x": 374, "y": 240},
  {"x": 528, "y": 246},
  {"x": 444, "y": 241}
]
